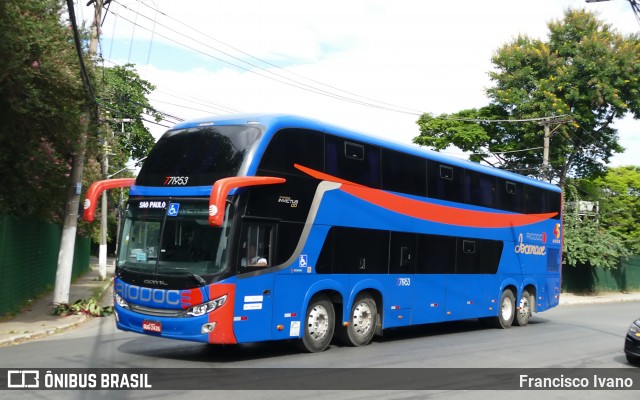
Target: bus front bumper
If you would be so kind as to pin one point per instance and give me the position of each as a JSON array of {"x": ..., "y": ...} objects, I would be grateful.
[{"x": 206, "y": 328}]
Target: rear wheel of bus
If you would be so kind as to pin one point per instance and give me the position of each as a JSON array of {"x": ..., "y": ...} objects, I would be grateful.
[
  {"x": 507, "y": 310},
  {"x": 523, "y": 313},
  {"x": 362, "y": 322},
  {"x": 319, "y": 325}
]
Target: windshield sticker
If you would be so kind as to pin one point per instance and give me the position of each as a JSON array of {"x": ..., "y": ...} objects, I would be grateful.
[
  {"x": 173, "y": 210},
  {"x": 152, "y": 204}
]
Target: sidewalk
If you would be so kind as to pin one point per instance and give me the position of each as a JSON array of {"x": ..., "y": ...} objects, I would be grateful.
[{"x": 37, "y": 321}]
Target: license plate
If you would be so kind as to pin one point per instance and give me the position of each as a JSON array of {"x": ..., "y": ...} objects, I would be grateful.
[{"x": 152, "y": 326}]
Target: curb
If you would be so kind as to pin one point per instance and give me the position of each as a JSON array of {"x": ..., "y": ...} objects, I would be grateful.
[{"x": 19, "y": 332}]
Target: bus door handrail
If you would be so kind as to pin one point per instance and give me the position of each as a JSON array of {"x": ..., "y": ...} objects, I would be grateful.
[
  {"x": 96, "y": 188},
  {"x": 222, "y": 187}
]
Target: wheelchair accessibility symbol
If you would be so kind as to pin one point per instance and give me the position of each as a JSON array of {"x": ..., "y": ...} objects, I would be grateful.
[
  {"x": 173, "y": 209},
  {"x": 302, "y": 262}
]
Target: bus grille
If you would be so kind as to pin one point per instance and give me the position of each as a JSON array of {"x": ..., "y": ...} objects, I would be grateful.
[{"x": 158, "y": 312}]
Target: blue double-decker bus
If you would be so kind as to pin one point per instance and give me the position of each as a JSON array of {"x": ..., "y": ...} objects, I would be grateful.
[{"x": 267, "y": 227}]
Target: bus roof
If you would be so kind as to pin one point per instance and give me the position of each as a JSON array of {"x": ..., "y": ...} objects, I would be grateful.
[{"x": 275, "y": 122}]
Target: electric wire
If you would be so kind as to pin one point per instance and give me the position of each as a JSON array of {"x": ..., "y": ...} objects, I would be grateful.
[
  {"x": 269, "y": 63},
  {"x": 76, "y": 39},
  {"x": 276, "y": 77}
]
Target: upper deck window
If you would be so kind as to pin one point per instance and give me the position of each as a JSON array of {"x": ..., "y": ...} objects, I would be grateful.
[
  {"x": 293, "y": 146},
  {"x": 355, "y": 162},
  {"x": 197, "y": 156}
]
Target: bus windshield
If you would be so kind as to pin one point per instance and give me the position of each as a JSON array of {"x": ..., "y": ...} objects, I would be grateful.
[
  {"x": 173, "y": 238},
  {"x": 197, "y": 156}
]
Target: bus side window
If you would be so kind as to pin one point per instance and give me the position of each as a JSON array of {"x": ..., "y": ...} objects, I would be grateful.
[
  {"x": 445, "y": 182},
  {"x": 510, "y": 196},
  {"x": 257, "y": 249}
]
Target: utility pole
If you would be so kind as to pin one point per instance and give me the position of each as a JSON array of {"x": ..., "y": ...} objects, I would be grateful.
[
  {"x": 102, "y": 255},
  {"x": 68, "y": 240},
  {"x": 546, "y": 123}
]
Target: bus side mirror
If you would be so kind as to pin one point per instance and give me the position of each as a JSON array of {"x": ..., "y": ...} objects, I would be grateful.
[
  {"x": 96, "y": 188},
  {"x": 222, "y": 187}
]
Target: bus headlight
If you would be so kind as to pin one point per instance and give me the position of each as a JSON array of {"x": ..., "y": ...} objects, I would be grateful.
[
  {"x": 206, "y": 308},
  {"x": 120, "y": 301}
]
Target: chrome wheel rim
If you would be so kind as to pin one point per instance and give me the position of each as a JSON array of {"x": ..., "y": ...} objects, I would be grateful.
[
  {"x": 506, "y": 309},
  {"x": 362, "y": 319},
  {"x": 318, "y": 322},
  {"x": 525, "y": 309}
]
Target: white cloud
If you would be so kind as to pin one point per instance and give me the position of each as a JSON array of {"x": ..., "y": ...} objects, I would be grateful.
[{"x": 424, "y": 55}]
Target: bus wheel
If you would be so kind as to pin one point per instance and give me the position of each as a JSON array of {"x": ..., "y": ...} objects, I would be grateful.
[
  {"x": 319, "y": 325},
  {"x": 362, "y": 322},
  {"x": 507, "y": 310},
  {"x": 523, "y": 313}
]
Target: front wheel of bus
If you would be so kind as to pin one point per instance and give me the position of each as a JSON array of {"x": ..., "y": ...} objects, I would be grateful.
[
  {"x": 523, "y": 313},
  {"x": 319, "y": 325},
  {"x": 362, "y": 322},
  {"x": 507, "y": 310}
]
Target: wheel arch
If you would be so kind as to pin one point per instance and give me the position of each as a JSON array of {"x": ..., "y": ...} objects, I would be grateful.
[
  {"x": 328, "y": 288},
  {"x": 510, "y": 284}
]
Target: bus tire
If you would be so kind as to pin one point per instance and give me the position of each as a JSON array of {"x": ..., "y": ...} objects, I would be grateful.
[
  {"x": 523, "y": 312},
  {"x": 363, "y": 319},
  {"x": 506, "y": 313},
  {"x": 319, "y": 324}
]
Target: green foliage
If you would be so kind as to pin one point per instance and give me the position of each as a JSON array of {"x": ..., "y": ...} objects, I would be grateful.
[
  {"x": 89, "y": 307},
  {"x": 585, "y": 70},
  {"x": 42, "y": 102},
  {"x": 123, "y": 96},
  {"x": 587, "y": 241},
  {"x": 618, "y": 193},
  {"x": 587, "y": 244},
  {"x": 41, "y": 98}
]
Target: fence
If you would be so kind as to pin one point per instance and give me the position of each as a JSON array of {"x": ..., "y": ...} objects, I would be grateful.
[
  {"x": 581, "y": 279},
  {"x": 29, "y": 257}
]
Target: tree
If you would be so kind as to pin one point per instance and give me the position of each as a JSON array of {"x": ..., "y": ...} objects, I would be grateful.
[
  {"x": 588, "y": 242},
  {"x": 618, "y": 194},
  {"x": 41, "y": 97},
  {"x": 585, "y": 70},
  {"x": 122, "y": 98}
]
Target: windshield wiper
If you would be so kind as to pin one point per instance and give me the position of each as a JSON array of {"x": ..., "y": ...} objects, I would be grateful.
[{"x": 195, "y": 277}]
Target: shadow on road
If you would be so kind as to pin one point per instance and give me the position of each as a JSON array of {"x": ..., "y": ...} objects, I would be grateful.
[{"x": 207, "y": 353}]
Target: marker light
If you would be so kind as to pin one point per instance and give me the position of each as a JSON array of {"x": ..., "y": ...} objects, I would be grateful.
[{"x": 206, "y": 308}]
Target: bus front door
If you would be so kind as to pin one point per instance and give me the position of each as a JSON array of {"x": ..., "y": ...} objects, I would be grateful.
[{"x": 254, "y": 287}]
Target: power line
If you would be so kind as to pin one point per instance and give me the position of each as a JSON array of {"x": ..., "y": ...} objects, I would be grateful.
[
  {"x": 479, "y": 120},
  {"x": 76, "y": 39},
  {"x": 269, "y": 63},
  {"x": 277, "y": 77},
  {"x": 199, "y": 101},
  {"x": 182, "y": 106}
]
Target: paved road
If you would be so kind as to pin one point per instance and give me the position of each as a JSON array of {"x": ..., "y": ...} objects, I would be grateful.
[{"x": 580, "y": 336}]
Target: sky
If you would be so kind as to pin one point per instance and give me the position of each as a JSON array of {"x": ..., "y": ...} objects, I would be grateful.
[{"x": 369, "y": 65}]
